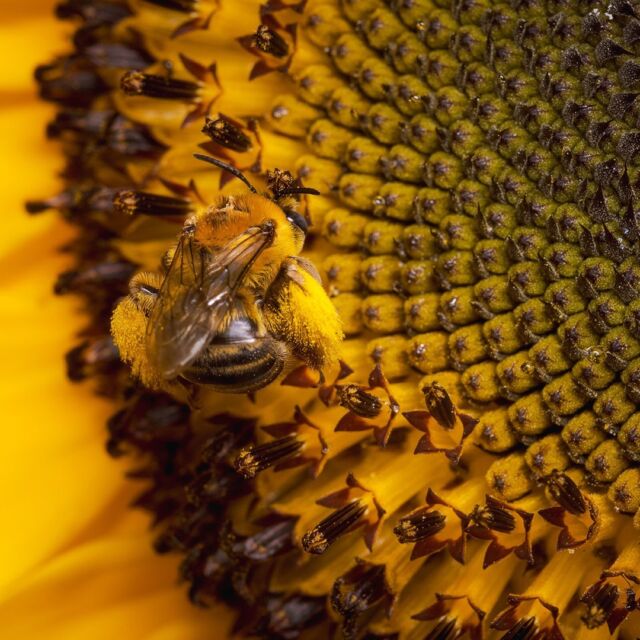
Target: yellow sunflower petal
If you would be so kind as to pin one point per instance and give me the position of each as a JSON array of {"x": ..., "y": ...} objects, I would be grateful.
[
  {"x": 107, "y": 587},
  {"x": 75, "y": 563}
]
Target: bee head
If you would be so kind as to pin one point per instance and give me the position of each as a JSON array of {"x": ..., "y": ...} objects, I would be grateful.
[
  {"x": 282, "y": 185},
  {"x": 285, "y": 187}
]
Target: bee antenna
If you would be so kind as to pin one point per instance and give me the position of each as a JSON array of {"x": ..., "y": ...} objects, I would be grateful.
[
  {"x": 226, "y": 167},
  {"x": 299, "y": 190}
]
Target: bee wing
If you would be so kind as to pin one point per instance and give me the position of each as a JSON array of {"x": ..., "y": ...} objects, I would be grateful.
[
  {"x": 226, "y": 273},
  {"x": 178, "y": 328},
  {"x": 196, "y": 296}
]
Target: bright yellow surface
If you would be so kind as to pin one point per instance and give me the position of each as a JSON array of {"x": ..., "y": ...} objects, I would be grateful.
[{"x": 75, "y": 562}]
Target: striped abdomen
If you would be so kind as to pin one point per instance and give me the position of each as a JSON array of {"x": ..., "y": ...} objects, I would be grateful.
[{"x": 238, "y": 360}]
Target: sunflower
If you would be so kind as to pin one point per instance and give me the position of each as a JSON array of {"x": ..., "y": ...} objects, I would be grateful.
[
  {"x": 466, "y": 465},
  {"x": 75, "y": 560}
]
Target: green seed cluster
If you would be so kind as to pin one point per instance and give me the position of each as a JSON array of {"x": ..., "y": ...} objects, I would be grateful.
[{"x": 485, "y": 154}]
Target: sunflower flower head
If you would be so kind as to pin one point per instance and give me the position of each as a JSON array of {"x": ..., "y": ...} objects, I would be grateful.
[{"x": 464, "y": 463}]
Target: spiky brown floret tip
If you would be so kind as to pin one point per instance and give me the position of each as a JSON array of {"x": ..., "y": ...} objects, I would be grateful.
[{"x": 472, "y": 462}]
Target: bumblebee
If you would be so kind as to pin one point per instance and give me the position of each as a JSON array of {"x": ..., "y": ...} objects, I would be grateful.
[{"x": 236, "y": 304}]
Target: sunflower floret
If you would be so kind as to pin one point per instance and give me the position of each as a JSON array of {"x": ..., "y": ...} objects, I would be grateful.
[{"x": 478, "y": 237}]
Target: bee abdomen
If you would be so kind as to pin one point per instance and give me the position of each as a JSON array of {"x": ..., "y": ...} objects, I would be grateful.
[{"x": 238, "y": 362}]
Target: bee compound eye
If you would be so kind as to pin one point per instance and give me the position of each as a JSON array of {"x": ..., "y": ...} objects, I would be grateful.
[{"x": 297, "y": 219}]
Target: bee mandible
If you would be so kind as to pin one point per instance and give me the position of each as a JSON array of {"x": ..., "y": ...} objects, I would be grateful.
[{"x": 237, "y": 304}]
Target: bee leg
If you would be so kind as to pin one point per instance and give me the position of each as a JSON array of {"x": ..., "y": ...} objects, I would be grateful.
[
  {"x": 143, "y": 290},
  {"x": 129, "y": 325},
  {"x": 308, "y": 266},
  {"x": 298, "y": 311},
  {"x": 193, "y": 393}
]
